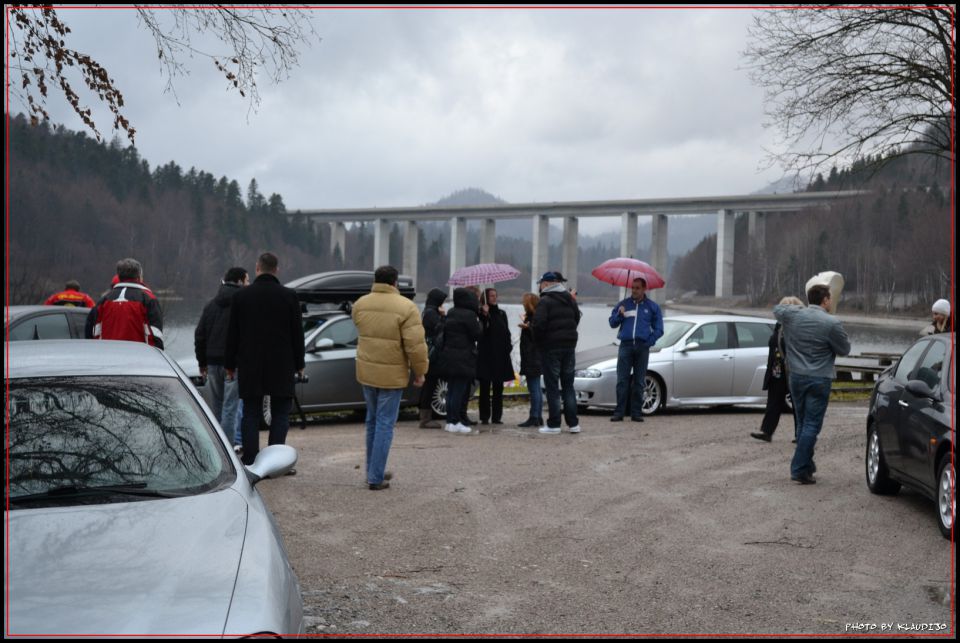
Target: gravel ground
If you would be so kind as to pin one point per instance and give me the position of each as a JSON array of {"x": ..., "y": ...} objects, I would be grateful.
[{"x": 680, "y": 525}]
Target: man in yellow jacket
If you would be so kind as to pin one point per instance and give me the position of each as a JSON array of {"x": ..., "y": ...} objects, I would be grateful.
[{"x": 391, "y": 344}]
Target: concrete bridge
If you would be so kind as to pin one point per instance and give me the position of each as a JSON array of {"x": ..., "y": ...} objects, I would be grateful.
[{"x": 726, "y": 207}]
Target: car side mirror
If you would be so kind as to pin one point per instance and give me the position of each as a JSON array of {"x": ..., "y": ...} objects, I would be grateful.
[
  {"x": 322, "y": 345},
  {"x": 272, "y": 462},
  {"x": 919, "y": 388},
  {"x": 692, "y": 346}
]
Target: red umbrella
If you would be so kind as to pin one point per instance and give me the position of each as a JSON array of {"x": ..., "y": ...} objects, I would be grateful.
[
  {"x": 483, "y": 273},
  {"x": 623, "y": 270}
]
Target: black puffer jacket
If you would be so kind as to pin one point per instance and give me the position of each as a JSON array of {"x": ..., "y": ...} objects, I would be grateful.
[
  {"x": 461, "y": 331},
  {"x": 431, "y": 313},
  {"x": 210, "y": 337},
  {"x": 556, "y": 319}
]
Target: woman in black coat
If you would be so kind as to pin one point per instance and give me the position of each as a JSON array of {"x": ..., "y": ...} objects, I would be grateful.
[
  {"x": 458, "y": 358},
  {"x": 432, "y": 318},
  {"x": 530, "y": 366},
  {"x": 775, "y": 383},
  {"x": 494, "y": 366}
]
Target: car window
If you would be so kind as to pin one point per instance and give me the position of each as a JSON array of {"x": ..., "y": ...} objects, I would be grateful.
[
  {"x": 673, "y": 330},
  {"x": 753, "y": 335},
  {"x": 69, "y": 433},
  {"x": 930, "y": 367},
  {"x": 711, "y": 337},
  {"x": 908, "y": 363},
  {"x": 342, "y": 332},
  {"x": 53, "y": 326}
]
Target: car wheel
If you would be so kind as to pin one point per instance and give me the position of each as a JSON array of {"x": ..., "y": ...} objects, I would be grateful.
[
  {"x": 438, "y": 403},
  {"x": 878, "y": 476},
  {"x": 946, "y": 500},
  {"x": 654, "y": 394}
]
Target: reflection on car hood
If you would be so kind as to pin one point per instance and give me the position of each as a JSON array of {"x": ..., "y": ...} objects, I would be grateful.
[
  {"x": 587, "y": 358},
  {"x": 155, "y": 566}
]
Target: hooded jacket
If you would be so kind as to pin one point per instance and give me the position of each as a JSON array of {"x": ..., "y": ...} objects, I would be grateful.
[
  {"x": 432, "y": 319},
  {"x": 458, "y": 359},
  {"x": 391, "y": 340},
  {"x": 556, "y": 319},
  {"x": 210, "y": 336}
]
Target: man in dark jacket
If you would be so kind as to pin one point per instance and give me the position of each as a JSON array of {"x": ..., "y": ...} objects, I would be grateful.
[
  {"x": 432, "y": 318},
  {"x": 210, "y": 346},
  {"x": 265, "y": 349},
  {"x": 494, "y": 366},
  {"x": 555, "y": 332},
  {"x": 129, "y": 311}
]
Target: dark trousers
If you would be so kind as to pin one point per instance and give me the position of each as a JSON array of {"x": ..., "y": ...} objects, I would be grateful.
[
  {"x": 485, "y": 386},
  {"x": 250, "y": 425},
  {"x": 458, "y": 390},
  {"x": 426, "y": 393},
  {"x": 776, "y": 405},
  {"x": 631, "y": 356},
  {"x": 558, "y": 374}
]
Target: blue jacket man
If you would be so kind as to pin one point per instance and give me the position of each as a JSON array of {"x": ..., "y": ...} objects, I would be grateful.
[{"x": 641, "y": 325}]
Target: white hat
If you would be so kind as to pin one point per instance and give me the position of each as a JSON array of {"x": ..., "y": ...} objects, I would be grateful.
[{"x": 941, "y": 306}]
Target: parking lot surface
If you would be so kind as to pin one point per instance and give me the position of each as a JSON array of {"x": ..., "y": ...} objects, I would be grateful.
[{"x": 683, "y": 524}]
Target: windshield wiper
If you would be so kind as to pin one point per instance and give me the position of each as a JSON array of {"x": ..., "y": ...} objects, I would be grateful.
[{"x": 72, "y": 491}]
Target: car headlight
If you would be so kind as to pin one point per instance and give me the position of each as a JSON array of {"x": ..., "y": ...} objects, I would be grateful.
[{"x": 590, "y": 372}]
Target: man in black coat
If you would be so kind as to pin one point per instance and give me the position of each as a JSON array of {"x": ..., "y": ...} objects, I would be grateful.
[
  {"x": 555, "y": 331},
  {"x": 265, "y": 349},
  {"x": 432, "y": 318},
  {"x": 210, "y": 345},
  {"x": 494, "y": 365}
]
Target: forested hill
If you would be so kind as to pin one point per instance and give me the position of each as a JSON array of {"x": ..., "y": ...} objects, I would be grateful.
[
  {"x": 77, "y": 206},
  {"x": 892, "y": 246}
]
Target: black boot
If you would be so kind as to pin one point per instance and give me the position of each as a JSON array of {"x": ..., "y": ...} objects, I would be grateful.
[{"x": 531, "y": 421}]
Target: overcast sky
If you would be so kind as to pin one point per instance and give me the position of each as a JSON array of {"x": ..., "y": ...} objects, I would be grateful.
[{"x": 403, "y": 107}]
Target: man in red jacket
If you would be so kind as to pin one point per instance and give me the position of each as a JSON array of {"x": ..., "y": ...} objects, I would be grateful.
[
  {"x": 70, "y": 296},
  {"x": 129, "y": 311}
]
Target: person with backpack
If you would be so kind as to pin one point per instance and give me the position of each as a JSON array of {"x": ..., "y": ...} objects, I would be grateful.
[{"x": 433, "y": 317}]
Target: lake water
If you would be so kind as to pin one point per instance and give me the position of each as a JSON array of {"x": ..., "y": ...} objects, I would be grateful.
[{"x": 595, "y": 331}]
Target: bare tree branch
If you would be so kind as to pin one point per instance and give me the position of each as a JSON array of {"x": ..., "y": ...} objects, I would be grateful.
[
  {"x": 844, "y": 83},
  {"x": 255, "y": 40}
]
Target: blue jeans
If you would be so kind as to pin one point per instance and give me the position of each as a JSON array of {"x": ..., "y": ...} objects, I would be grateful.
[
  {"x": 535, "y": 388},
  {"x": 457, "y": 391},
  {"x": 558, "y": 369},
  {"x": 250, "y": 425},
  {"x": 631, "y": 356},
  {"x": 383, "y": 406},
  {"x": 810, "y": 398},
  {"x": 226, "y": 399}
]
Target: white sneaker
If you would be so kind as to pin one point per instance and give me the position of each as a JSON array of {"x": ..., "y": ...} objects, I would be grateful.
[
  {"x": 451, "y": 428},
  {"x": 461, "y": 428},
  {"x": 575, "y": 429},
  {"x": 547, "y": 429}
]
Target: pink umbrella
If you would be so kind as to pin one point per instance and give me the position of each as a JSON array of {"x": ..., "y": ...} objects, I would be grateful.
[
  {"x": 483, "y": 273},
  {"x": 623, "y": 270}
]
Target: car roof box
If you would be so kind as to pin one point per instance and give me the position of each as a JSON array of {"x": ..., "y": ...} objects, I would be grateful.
[{"x": 338, "y": 286}]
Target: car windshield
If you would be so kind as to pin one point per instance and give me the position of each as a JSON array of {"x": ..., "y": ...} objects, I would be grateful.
[
  {"x": 673, "y": 330},
  {"x": 86, "y": 439}
]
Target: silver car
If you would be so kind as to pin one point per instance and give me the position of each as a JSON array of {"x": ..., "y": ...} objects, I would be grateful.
[
  {"x": 129, "y": 513},
  {"x": 45, "y": 322},
  {"x": 701, "y": 360}
]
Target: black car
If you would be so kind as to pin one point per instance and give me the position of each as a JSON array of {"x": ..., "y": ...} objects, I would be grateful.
[
  {"x": 45, "y": 322},
  {"x": 909, "y": 426}
]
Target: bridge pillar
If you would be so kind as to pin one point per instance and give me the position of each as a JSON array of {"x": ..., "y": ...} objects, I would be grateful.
[
  {"x": 338, "y": 238},
  {"x": 724, "y": 278},
  {"x": 658, "y": 250},
  {"x": 628, "y": 240},
  {"x": 381, "y": 243},
  {"x": 757, "y": 231},
  {"x": 411, "y": 251},
  {"x": 488, "y": 240},
  {"x": 541, "y": 249},
  {"x": 458, "y": 245},
  {"x": 571, "y": 228}
]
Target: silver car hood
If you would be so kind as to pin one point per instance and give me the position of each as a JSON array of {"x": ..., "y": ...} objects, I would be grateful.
[{"x": 163, "y": 566}]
